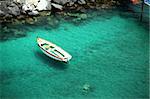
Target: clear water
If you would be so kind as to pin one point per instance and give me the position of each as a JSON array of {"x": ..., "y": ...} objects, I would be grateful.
[{"x": 109, "y": 49}]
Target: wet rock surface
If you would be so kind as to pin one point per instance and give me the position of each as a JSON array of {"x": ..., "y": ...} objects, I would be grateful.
[{"x": 15, "y": 8}]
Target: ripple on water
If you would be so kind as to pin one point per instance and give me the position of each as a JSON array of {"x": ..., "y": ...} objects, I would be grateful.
[{"x": 110, "y": 53}]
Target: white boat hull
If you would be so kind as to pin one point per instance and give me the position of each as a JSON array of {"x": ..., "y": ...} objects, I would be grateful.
[{"x": 58, "y": 53}]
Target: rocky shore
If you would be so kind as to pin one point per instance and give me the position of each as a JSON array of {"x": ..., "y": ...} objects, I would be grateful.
[
  {"x": 15, "y": 13},
  {"x": 14, "y": 10}
]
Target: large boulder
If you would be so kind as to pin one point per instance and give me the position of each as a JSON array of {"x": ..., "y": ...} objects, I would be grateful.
[
  {"x": 43, "y": 5},
  {"x": 2, "y": 13},
  {"x": 14, "y": 9},
  {"x": 3, "y": 8},
  {"x": 32, "y": 5}
]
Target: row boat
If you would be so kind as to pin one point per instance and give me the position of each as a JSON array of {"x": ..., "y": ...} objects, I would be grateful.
[{"x": 53, "y": 50}]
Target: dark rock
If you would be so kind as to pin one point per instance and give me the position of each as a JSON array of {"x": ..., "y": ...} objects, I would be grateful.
[
  {"x": 19, "y": 34},
  {"x": 61, "y": 2},
  {"x": 92, "y": 0},
  {"x": 2, "y": 13},
  {"x": 83, "y": 10},
  {"x": 8, "y": 16},
  {"x": 72, "y": 2},
  {"x": 14, "y": 9},
  {"x": 98, "y": 7},
  {"x": 4, "y": 7},
  {"x": 16, "y": 22}
]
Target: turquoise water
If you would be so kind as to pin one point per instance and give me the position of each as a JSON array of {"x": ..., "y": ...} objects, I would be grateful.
[{"x": 110, "y": 53}]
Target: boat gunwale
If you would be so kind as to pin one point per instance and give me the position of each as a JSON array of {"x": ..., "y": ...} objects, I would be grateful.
[
  {"x": 50, "y": 53},
  {"x": 63, "y": 59}
]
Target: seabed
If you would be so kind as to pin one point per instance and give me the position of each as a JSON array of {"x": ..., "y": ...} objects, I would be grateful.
[{"x": 110, "y": 58}]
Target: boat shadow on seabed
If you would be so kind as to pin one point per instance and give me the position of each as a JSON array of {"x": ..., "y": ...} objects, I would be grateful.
[{"x": 51, "y": 62}]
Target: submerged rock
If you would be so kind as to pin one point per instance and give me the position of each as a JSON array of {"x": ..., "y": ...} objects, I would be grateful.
[
  {"x": 11, "y": 8},
  {"x": 86, "y": 88},
  {"x": 30, "y": 20},
  {"x": 83, "y": 16},
  {"x": 19, "y": 34},
  {"x": 44, "y": 13},
  {"x": 52, "y": 22},
  {"x": 78, "y": 15},
  {"x": 10, "y": 31},
  {"x": 16, "y": 22},
  {"x": 72, "y": 14}
]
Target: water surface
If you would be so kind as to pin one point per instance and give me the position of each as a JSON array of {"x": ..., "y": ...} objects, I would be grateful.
[{"x": 109, "y": 49}]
